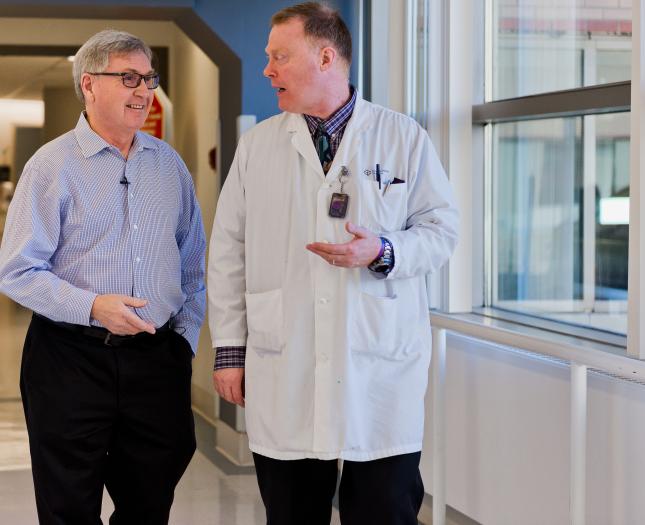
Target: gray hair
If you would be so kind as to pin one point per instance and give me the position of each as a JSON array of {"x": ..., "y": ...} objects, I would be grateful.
[{"x": 94, "y": 55}]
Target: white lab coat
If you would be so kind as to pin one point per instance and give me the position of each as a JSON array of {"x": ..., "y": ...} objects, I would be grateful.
[{"x": 337, "y": 359}]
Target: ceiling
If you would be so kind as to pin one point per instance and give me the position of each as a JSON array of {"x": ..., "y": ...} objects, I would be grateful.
[{"x": 24, "y": 77}]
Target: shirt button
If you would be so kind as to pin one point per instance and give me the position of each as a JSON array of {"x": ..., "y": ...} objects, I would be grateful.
[
  {"x": 136, "y": 227},
  {"x": 138, "y": 259},
  {"x": 131, "y": 194}
]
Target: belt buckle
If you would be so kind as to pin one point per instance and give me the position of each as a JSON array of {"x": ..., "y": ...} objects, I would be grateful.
[{"x": 106, "y": 341}]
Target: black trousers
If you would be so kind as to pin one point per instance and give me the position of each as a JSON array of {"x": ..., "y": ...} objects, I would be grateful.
[
  {"x": 100, "y": 415},
  {"x": 386, "y": 491}
]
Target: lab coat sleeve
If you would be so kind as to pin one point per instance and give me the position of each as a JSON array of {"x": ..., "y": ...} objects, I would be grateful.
[
  {"x": 226, "y": 262},
  {"x": 431, "y": 231}
]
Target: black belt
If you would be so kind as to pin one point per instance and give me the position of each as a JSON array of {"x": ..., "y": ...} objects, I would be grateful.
[{"x": 97, "y": 332}]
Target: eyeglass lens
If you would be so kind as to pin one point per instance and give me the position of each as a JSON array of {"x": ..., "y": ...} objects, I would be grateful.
[{"x": 132, "y": 80}]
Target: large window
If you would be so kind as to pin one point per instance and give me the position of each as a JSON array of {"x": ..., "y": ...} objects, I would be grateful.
[
  {"x": 551, "y": 146},
  {"x": 560, "y": 206},
  {"x": 540, "y": 46},
  {"x": 558, "y": 161}
]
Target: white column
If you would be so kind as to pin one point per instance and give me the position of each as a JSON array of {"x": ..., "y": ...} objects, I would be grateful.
[
  {"x": 438, "y": 426},
  {"x": 636, "y": 285},
  {"x": 388, "y": 54},
  {"x": 459, "y": 161},
  {"x": 578, "y": 443},
  {"x": 589, "y": 214}
]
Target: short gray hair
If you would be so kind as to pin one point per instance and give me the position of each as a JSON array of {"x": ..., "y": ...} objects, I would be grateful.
[{"x": 94, "y": 55}]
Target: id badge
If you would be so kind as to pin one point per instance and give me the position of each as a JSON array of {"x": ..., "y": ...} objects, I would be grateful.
[{"x": 338, "y": 205}]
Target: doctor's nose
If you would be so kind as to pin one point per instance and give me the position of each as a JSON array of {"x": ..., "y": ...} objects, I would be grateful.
[{"x": 268, "y": 71}]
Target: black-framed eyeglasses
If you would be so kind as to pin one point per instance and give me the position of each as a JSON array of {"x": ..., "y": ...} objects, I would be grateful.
[{"x": 132, "y": 80}]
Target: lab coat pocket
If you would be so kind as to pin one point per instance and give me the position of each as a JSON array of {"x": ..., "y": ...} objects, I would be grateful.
[
  {"x": 264, "y": 321},
  {"x": 385, "y": 209},
  {"x": 380, "y": 327}
]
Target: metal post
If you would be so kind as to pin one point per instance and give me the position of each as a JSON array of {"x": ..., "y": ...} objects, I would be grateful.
[
  {"x": 578, "y": 443},
  {"x": 438, "y": 426}
]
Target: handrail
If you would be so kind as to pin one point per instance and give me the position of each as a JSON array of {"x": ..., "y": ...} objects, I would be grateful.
[
  {"x": 600, "y": 356},
  {"x": 581, "y": 354}
]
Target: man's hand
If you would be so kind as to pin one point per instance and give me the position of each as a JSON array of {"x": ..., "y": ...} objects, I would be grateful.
[
  {"x": 360, "y": 251},
  {"x": 229, "y": 384},
  {"x": 114, "y": 313}
]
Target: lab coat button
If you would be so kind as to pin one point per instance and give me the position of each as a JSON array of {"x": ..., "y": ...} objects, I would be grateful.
[{"x": 323, "y": 300}]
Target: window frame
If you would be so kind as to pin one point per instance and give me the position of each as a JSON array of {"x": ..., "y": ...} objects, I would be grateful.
[{"x": 459, "y": 88}]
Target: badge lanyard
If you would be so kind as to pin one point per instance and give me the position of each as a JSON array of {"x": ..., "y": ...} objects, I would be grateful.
[{"x": 340, "y": 201}]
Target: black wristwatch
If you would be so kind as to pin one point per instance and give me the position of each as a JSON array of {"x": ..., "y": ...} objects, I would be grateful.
[{"x": 385, "y": 262}]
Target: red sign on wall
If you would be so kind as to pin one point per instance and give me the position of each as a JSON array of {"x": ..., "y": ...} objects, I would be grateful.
[{"x": 154, "y": 123}]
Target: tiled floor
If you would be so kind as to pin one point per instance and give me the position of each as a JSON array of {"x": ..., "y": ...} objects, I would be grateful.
[{"x": 205, "y": 494}]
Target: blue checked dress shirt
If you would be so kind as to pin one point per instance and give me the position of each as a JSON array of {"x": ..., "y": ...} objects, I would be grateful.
[
  {"x": 73, "y": 232},
  {"x": 235, "y": 356}
]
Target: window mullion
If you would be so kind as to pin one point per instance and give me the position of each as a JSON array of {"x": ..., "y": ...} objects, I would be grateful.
[{"x": 636, "y": 287}]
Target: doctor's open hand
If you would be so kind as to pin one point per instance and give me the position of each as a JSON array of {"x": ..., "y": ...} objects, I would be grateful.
[
  {"x": 229, "y": 384},
  {"x": 360, "y": 251},
  {"x": 115, "y": 313}
]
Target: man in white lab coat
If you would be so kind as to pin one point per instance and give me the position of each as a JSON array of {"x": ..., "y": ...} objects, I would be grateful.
[{"x": 332, "y": 214}]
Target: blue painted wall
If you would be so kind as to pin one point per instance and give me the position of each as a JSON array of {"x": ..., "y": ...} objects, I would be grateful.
[{"x": 244, "y": 26}]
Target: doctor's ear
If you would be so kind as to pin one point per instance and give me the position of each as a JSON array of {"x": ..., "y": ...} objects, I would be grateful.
[
  {"x": 327, "y": 58},
  {"x": 87, "y": 87}
]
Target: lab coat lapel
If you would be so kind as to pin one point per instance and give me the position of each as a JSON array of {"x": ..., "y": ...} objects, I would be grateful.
[
  {"x": 301, "y": 140},
  {"x": 353, "y": 136},
  {"x": 349, "y": 146}
]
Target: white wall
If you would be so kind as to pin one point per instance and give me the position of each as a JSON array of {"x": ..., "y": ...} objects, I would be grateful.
[
  {"x": 17, "y": 113},
  {"x": 388, "y": 47},
  {"x": 62, "y": 109},
  {"x": 507, "y": 436},
  {"x": 196, "y": 116}
]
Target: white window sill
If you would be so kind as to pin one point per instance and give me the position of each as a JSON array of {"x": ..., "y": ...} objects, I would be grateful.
[{"x": 538, "y": 336}]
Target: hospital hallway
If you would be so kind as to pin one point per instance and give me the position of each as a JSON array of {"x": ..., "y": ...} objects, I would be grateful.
[{"x": 212, "y": 491}]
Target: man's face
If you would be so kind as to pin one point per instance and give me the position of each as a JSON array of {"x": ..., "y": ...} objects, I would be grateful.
[
  {"x": 294, "y": 68},
  {"x": 116, "y": 108}
]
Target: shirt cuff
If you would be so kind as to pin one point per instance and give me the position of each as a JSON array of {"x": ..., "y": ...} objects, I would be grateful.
[{"x": 229, "y": 357}]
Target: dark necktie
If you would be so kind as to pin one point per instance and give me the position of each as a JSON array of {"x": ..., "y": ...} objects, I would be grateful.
[{"x": 323, "y": 145}]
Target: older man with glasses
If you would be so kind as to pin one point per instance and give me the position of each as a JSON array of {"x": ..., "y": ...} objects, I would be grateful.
[{"x": 104, "y": 242}]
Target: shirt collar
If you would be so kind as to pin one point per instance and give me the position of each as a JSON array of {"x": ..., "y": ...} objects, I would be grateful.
[
  {"x": 337, "y": 120},
  {"x": 91, "y": 142},
  {"x": 143, "y": 140}
]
